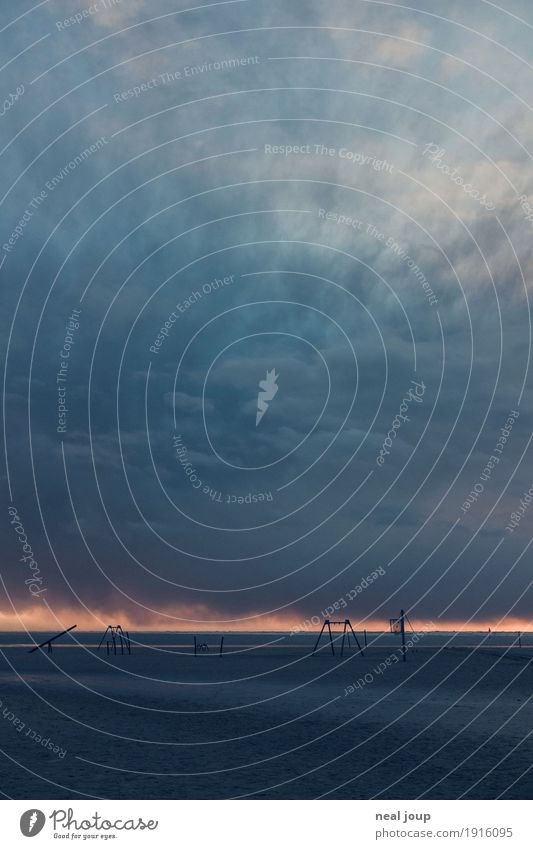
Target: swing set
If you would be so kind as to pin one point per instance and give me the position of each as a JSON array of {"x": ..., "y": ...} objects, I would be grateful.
[
  {"x": 345, "y": 635},
  {"x": 114, "y": 634}
]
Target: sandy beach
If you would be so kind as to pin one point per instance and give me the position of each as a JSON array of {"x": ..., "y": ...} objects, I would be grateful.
[{"x": 267, "y": 719}]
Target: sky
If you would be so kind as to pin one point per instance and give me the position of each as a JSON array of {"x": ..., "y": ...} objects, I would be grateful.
[{"x": 330, "y": 200}]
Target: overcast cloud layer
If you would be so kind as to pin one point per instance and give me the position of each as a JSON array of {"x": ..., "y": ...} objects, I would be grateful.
[{"x": 192, "y": 198}]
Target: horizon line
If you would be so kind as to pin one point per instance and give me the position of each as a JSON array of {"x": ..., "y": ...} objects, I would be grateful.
[{"x": 43, "y": 618}]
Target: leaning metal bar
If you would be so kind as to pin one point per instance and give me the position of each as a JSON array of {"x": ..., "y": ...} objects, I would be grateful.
[
  {"x": 47, "y": 642},
  {"x": 318, "y": 638}
]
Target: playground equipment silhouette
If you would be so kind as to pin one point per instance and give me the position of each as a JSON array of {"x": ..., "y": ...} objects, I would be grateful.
[
  {"x": 345, "y": 635},
  {"x": 49, "y": 642},
  {"x": 117, "y": 634},
  {"x": 203, "y": 648}
]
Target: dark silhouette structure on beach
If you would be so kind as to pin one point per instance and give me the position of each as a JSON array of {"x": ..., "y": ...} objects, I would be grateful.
[
  {"x": 49, "y": 642},
  {"x": 116, "y": 635},
  {"x": 204, "y": 647},
  {"x": 345, "y": 635}
]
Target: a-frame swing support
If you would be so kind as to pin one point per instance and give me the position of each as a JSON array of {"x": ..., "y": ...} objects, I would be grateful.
[
  {"x": 345, "y": 635},
  {"x": 116, "y": 631}
]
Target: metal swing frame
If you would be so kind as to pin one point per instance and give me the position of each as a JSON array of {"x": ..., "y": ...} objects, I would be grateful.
[
  {"x": 345, "y": 635},
  {"x": 117, "y": 634}
]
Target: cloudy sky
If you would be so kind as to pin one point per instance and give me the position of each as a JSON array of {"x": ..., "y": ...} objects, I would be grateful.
[{"x": 194, "y": 197}]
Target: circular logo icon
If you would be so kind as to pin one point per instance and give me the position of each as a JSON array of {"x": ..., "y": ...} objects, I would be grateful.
[{"x": 32, "y": 822}]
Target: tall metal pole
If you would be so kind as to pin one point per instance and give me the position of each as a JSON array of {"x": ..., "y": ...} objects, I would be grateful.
[{"x": 402, "y": 627}]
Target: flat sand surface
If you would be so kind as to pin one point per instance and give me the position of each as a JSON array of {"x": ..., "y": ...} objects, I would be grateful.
[{"x": 267, "y": 720}]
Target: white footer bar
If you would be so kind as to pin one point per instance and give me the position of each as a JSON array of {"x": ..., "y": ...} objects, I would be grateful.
[{"x": 257, "y": 824}]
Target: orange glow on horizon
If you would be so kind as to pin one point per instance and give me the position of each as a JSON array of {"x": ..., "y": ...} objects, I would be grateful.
[{"x": 43, "y": 618}]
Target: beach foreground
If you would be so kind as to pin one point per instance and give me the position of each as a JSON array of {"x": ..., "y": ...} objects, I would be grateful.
[{"x": 267, "y": 720}]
